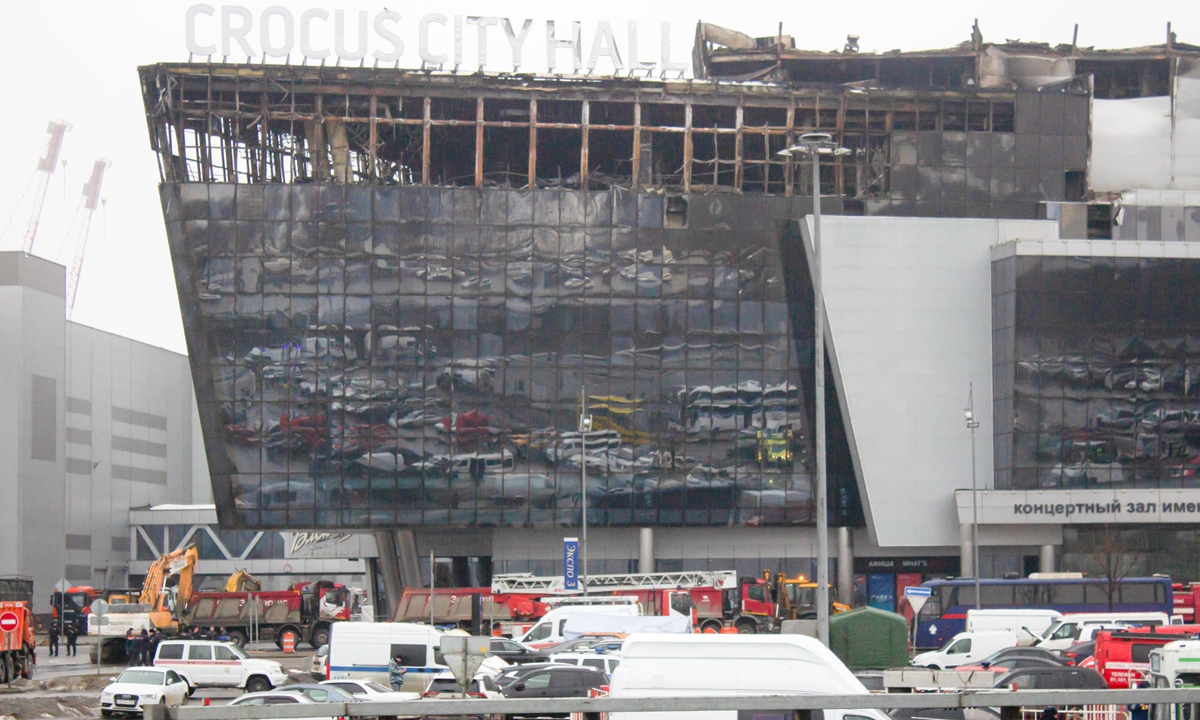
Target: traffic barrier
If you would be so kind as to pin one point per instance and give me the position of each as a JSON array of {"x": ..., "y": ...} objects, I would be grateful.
[
  {"x": 1009, "y": 702},
  {"x": 289, "y": 642}
]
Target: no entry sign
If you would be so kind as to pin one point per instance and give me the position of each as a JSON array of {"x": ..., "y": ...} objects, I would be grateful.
[{"x": 9, "y": 621}]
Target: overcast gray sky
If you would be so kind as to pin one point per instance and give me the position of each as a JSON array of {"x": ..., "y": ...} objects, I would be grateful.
[{"x": 76, "y": 61}]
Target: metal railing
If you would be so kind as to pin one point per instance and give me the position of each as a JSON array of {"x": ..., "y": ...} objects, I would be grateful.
[{"x": 1010, "y": 703}]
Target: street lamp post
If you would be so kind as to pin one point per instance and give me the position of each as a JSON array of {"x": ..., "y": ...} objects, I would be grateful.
[
  {"x": 815, "y": 145},
  {"x": 585, "y": 426},
  {"x": 972, "y": 424}
]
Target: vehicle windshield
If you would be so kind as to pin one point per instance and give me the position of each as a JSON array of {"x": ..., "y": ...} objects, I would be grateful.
[
  {"x": 376, "y": 687},
  {"x": 946, "y": 647},
  {"x": 238, "y": 651},
  {"x": 1054, "y": 626},
  {"x": 142, "y": 677}
]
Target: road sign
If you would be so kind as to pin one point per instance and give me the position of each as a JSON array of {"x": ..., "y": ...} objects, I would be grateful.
[
  {"x": 916, "y": 596},
  {"x": 9, "y": 621},
  {"x": 62, "y": 585},
  {"x": 99, "y": 607},
  {"x": 570, "y": 563},
  {"x": 464, "y": 655}
]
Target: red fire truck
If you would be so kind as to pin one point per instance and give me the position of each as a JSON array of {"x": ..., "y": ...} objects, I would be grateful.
[
  {"x": 306, "y": 609},
  {"x": 1123, "y": 657},
  {"x": 1184, "y": 599},
  {"x": 715, "y": 599},
  {"x": 17, "y": 641}
]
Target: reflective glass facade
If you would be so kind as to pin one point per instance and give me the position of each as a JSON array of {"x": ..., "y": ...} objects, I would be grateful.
[
  {"x": 1097, "y": 372},
  {"x": 383, "y": 356}
]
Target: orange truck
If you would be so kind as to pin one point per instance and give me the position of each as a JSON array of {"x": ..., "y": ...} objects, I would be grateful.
[{"x": 17, "y": 641}]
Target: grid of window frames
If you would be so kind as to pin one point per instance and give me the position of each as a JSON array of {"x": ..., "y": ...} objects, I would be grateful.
[
  {"x": 389, "y": 356},
  {"x": 1105, "y": 373}
]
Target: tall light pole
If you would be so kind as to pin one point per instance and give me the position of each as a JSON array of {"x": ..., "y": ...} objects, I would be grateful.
[
  {"x": 815, "y": 145},
  {"x": 972, "y": 423},
  {"x": 585, "y": 426}
]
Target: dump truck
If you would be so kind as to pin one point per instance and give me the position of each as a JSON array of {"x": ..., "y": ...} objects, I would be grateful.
[{"x": 17, "y": 640}]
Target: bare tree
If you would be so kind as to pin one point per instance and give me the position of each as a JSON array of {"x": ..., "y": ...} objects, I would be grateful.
[{"x": 1113, "y": 562}]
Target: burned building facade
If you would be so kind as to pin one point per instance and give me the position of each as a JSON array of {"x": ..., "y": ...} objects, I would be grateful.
[{"x": 400, "y": 287}]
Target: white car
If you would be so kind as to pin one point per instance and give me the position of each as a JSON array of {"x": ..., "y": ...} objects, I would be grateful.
[
  {"x": 320, "y": 663},
  {"x": 208, "y": 663},
  {"x": 371, "y": 691},
  {"x": 276, "y": 698},
  {"x": 601, "y": 661},
  {"x": 137, "y": 687},
  {"x": 445, "y": 685}
]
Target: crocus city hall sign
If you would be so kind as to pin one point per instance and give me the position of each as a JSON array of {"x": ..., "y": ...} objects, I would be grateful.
[{"x": 386, "y": 36}]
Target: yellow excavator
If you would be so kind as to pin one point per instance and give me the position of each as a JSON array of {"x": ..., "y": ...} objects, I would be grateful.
[
  {"x": 242, "y": 581},
  {"x": 796, "y": 597},
  {"x": 159, "y": 595}
]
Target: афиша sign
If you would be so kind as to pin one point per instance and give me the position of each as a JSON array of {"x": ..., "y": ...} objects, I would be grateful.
[{"x": 386, "y": 36}]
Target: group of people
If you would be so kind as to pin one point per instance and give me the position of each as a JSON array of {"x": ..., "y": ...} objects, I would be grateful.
[
  {"x": 141, "y": 648},
  {"x": 204, "y": 634},
  {"x": 64, "y": 629}
]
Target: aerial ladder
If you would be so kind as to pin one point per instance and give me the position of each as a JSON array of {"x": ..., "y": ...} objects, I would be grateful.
[
  {"x": 525, "y": 583},
  {"x": 80, "y": 226},
  {"x": 41, "y": 181}
]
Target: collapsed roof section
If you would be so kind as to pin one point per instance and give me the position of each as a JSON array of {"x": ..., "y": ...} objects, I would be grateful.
[{"x": 727, "y": 55}]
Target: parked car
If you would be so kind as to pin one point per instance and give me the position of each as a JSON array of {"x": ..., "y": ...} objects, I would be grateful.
[
  {"x": 515, "y": 652},
  {"x": 1077, "y": 653},
  {"x": 1012, "y": 663},
  {"x": 445, "y": 685},
  {"x": 369, "y": 691},
  {"x": 208, "y": 663},
  {"x": 276, "y": 697},
  {"x": 512, "y": 674},
  {"x": 136, "y": 687},
  {"x": 320, "y": 663},
  {"x": 583, "y": 641},
  {"x": 556, "y": 681},
  {"x": 321, "y": 693},
  {"x": 1021, "y": 651},
  {"x": 601, "y": 661},
  {"x": 1057, "y": 678}
]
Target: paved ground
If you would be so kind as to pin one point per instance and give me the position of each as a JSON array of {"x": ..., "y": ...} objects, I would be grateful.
[{"x": 69, "y": 686}]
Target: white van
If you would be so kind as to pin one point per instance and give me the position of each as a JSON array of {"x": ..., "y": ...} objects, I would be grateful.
[
  {"x": 362, "y": 650},
  {"x": 1066, "y": 631},
  {"x": 698, "y": 665},
  {"x": 1027, "y": 624},
  {"x": 966, "y": 648},
  {"x": 549, "y": 630}
]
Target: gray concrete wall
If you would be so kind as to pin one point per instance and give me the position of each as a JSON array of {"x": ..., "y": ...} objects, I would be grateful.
[
  {"x": 31, "y": 428},
  {"x": 91, "y": 425},
  {"x": 130, "y": 434}
]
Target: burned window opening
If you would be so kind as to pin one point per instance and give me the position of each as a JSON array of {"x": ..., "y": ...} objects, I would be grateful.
[
  {"x": 610, "y": 158},
  {"x": 558, "y": 156},
  {"x": 1127, "y": 77}
]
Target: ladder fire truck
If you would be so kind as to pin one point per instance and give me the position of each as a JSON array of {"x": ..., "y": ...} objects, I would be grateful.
[{"x": 715, "y": 599}]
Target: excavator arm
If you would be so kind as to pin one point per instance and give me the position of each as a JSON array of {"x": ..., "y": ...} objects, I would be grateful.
[
  {"x": 181, "y": 562},
  {"x": 242, "y": 581}
]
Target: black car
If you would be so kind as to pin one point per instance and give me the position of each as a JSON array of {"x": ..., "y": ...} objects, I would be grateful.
[
  {"x": 998, "y": 657},
  {"x": 514, "y": 652},
  {"x": 1079, "y": 652},
  {"x": 512, "y": 674},
  {"x": 556, "y": 681},
  {"x": 1056, "y": 678}
]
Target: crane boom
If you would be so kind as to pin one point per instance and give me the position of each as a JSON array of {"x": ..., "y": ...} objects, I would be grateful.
[
  {"x": 91, "y": 198},
  {"x": 45, "y": 169},
  {"x": 524, "y": 583}
]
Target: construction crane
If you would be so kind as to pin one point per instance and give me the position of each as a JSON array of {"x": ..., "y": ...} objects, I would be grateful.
[
  {"x": 41, "y": 181},
  {"x": 80, "y": 225}
]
